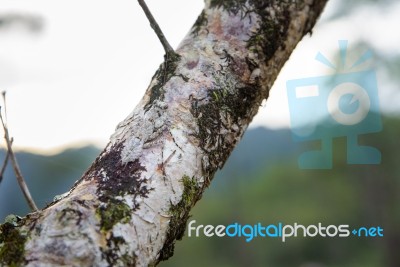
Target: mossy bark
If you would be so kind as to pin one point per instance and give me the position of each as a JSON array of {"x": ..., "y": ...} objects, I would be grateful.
[{"x": 133, "y": 202}]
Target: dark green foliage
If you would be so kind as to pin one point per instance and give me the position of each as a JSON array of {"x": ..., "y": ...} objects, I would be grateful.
[{"x": 261, "y": 182}]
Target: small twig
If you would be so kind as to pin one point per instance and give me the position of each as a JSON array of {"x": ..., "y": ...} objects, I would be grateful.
[
  {"x": 5, "y": 162},
  {"x": 153, "y": 23},
  {"x": 3, "y": 94},
  {"x": 3, "y": 168},
  {"x": 17, "y": 170}
]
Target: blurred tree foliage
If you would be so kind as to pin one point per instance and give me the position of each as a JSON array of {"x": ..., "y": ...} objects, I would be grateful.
[{"x": 358, "y": 195}]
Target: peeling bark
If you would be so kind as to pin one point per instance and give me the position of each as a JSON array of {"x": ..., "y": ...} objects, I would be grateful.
[{"x": 133, "y": 202}]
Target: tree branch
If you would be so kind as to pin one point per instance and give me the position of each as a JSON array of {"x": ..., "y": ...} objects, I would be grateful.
[
  {"x": 153, "y": 23},
  {"x": 5, "y": 162},
  {"x": 132, "y": 204},
  {"x": 17, "y": 170}
]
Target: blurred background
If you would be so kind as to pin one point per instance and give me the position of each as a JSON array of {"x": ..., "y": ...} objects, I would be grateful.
[{"x": 74, "y": 69}]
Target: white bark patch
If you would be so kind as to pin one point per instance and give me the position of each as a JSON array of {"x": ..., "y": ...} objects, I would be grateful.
[{"x": 132, "y": 149}]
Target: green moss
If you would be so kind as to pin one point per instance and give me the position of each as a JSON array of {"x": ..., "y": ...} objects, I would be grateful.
[
  {"x": 115, "y": 211},
  {"x": 112, "y": 253},
  {"x": 12, "y": 245},
  {"x": 272, "y": 30},
  {"x": 273, "y": 27},
  {"x": 200, "y": 22},
  {"x": 189, "y": 194},
  {"x": 12, "y": 219},
  {"x": 164, "y": 73},
  {"x": 228, "y": 104},
  {"x": 232, "y": 6},
  {"x": 179, "y": 216}
]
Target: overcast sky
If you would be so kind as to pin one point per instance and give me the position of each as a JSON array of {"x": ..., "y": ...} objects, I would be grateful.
[{"x": 73, "y": 82}]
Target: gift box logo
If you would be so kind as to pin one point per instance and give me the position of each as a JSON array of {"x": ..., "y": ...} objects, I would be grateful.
[{"x": 344, "y": 104}]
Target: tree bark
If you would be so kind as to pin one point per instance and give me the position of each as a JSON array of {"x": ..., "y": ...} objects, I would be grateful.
[{"x": 134, "y": 201}]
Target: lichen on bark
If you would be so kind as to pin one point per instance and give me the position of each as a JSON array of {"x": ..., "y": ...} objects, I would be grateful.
[
  {"x": 114, "y": 256},
  {"x": 117, "y": 178},
  {"x": 200, "y": 23},
  {"x": 232, "y": 6},
  {"x": 179, "y": 215},
  {"x": 12, "y": 245},
  {"x": 218, "y": 120},
  {"x": 165, "y": 72},
  {"x": 113, "y": 212}
]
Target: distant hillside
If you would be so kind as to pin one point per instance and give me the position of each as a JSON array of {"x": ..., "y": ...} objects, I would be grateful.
[
  {"x": 259, "y": 148},
  {"x": 261, "y": 182},
  {"x": 48, "y": 176}
]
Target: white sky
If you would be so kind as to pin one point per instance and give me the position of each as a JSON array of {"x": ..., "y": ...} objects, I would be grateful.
[{"x": 87, "y": 70}]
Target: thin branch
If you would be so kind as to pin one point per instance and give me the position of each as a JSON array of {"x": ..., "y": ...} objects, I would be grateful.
[
  {"x": 17, "y": 170},
  {"x": 3, "y": 94},
  {"x": 153, "y": 23},
  {"x": 5, "y": 162}
]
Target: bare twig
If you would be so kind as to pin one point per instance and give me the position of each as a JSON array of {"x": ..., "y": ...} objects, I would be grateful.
[
  {"x": 3, "y": 168},
  {"x": 153, "y": 23},
  {"x": 5, "y": 162},
  {"x": 3, "y": 94},
  {"x": 17, "y": 170}
]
